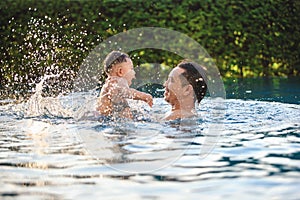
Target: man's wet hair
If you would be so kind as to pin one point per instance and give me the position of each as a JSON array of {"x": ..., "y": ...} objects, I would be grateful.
[
  {"x": 114, "y": 58},
  {"x": 194, "y": 77}
]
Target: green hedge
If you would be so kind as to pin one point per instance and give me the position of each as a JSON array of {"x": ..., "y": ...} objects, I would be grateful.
[{"x": 245, "y": 38}]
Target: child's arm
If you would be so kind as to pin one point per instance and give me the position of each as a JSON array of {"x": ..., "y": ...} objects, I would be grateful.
[
  {"x": 124, "y": 91},
  {"x": 137, "y": 95}
]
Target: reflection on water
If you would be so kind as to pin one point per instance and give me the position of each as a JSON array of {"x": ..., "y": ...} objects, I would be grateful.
[{"x": 257, "y": 155}]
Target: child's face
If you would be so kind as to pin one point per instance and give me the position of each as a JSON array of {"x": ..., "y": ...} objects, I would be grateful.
[{"x": 127, "y": 71}]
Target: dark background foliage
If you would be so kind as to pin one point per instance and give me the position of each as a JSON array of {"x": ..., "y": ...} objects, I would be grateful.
[{"x": 245, "y": 38}]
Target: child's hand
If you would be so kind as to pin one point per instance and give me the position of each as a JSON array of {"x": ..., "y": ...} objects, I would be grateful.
[
  {"x": 149, "y": 100},
  {"x": 137, "y": 95}
]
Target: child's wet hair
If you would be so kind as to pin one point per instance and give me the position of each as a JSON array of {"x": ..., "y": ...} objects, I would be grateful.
[{"x": 113, "y": 58}]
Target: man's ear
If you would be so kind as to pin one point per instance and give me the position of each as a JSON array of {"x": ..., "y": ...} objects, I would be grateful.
[{"x": 188, "y": 90}]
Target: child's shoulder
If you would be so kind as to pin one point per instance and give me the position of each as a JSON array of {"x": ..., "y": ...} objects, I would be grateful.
[{"x": 120, "y": 81}]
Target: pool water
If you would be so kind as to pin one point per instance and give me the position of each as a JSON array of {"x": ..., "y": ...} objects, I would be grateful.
[
  {"x": 279, "y": 89},
  {"x": 48, "y": 152}
]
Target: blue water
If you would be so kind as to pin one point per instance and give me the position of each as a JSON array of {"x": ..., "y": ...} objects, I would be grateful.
[
  {"x": 286, "y": 90},
  {"x": 51, "y": 148}
]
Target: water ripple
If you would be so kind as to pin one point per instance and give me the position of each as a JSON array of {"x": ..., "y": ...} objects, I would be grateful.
[{"x": 257, "y": 153}]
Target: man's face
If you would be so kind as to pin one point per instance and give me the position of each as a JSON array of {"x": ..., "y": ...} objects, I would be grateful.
[
  {"x": 173, "y": 86},
  {"x": 127, "y": 70}
]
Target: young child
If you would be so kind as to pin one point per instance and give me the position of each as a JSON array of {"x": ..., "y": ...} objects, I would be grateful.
[{"x": 115, "y": 92}]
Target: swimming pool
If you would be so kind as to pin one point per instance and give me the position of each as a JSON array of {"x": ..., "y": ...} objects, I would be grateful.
[{"x": 46, "y": 154}]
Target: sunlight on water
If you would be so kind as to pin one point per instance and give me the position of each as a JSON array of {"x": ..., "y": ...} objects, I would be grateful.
[
  {"x": 258, "y": 151},
  {"x": 47, "y": 143}
]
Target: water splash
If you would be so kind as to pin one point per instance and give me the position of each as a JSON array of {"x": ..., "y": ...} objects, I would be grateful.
[
  {"x": 45, "y": 46},
  {"x": 50, "y": 50},
  {"x": 38, "y": 105},
  {"x": 79, "y": 106}
]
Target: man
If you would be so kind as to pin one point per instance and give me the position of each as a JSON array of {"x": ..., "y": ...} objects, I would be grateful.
[{"x": 184, "y": 86}]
